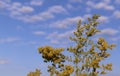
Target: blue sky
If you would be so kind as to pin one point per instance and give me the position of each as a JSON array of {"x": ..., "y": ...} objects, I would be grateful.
[{"x": 26, "y": 25}]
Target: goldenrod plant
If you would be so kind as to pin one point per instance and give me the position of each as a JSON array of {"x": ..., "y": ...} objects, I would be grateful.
[
  {"x": 86, "y": 56},
  {"x": 88, "y": 53},
  {"x": 36, "y": 73}
]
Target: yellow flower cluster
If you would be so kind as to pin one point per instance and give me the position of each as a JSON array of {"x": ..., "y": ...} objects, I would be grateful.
[
  {"x": 68, "y": 70},
  {"x": 103, "y": 72},
  {"x": 103, "y": 45},
  {"x": 51, "y": 54},
  {"x": 83, "y": 74},
  {"x": 91, "y": 32},
  {"x": 95, "y": 63},
  {"x": 108, "y": 67},
  {"x": 36, "y": 73}
]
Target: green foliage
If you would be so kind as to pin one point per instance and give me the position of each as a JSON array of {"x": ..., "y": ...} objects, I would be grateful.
[{"x": 86, "y": 56}]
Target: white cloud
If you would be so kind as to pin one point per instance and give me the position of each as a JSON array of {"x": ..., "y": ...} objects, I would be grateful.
[
  {"x": 116, "y": 14},
  {"x": 24, "y": 12},
  {"x": 36, "y": 2},
  {"x": 26, "y": 9},
  {"x": 48, "y": 14},
  {"x": 54, "y": 41},
  {"x": 107, "y": 1},
  {"x": 57, "y": 9},
  {"x": 69, "y": 6},
  {"x": 103, "y": 19},
  {"x": 6, "y": 0},
  {"x": 90, "y": 3},
  {"x": 101, "y": 5},
  {"x": 117, "y": 1},
  {"x": 9, "y": 39},
  {"x": 75, "y": 1},
  {"x": 52, "y": 35},
  {"x": 15, "y": 7},
  {"x": 35, "y": 18},
  {"x": 3, "y": 61},
  {"x": 3, "y": 4},
  {"x": 16, "y": 4},
  {"x": 65, "y": 22},
  {"x": 115, "y": 38},
  {"x": 105, "y": 6},
  {"x": 60, "y": 38},
  {"x": 38, "y": 33},
  {"x": 109, "y": 31},
  {"x": 65, "y": 35}
]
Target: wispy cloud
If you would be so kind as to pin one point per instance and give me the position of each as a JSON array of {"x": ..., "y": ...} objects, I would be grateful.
[
  {"x": 3, "y": 4},
  {"x": 61, "y": 38},
  {"x": 65, "y": 22},
  {"x": 35, "y": 18},
  {"x": 42, "y": 16},
  {"x": 116, "y": 14},
  {"x": 39, "y": 33},
  {"x": 36, "y": 2},
  {"x": 115, "y": 38},
  {"x": 9, "y": 39},
  {"x": 101, "y": 5},
  {"x": 70, "y": 6},
  {"x": 54, "y": 41},
  {"x": 117, "y": 1},
  {"x": 75, "y": 1},
  {"x": 4, "y": 61},
  {"x": 16, "y": 7},
  {"x": 103, "y": 19},
  {"x": 24, "y": 12},
  {"x": 109, "y": 31},
  {"x": 57, "y": 9},
  {"x": 26, "y": 9}
]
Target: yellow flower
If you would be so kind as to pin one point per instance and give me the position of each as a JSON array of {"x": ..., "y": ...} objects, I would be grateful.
[
  {"x": 83, "y": 74},
  {"x": 103, "y": 72}
]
